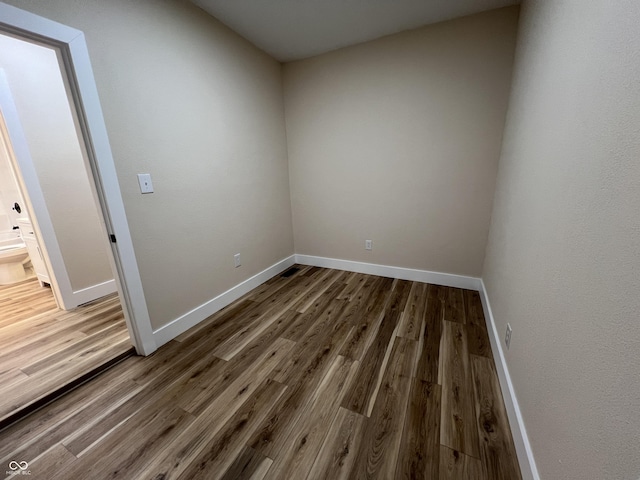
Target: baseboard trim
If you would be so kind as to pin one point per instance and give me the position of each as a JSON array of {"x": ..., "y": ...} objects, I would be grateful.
[
  {"x": 190, "y": 319},
  {"x": 95, "y": 291},
  {"x": 518, "y": 431},
  {"x": 426, "y": 276}
]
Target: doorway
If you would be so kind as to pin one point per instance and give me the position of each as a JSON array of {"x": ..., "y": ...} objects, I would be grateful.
[
  {"x": 60, "y": 316},
  {"x": 72, "y": 54}
]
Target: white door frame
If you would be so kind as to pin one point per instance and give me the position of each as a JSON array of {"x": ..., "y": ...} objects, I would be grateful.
[{"x": 71, "y": 42}]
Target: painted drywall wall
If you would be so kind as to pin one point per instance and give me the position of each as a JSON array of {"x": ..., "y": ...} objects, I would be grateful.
[
  {"x": 38, "y": 90},
  {"x": 563, "y": 258},
  {"x": 397, "y": 140},
  {"x": 200, "y": 109}
]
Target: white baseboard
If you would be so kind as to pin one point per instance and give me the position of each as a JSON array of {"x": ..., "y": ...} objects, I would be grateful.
[
  {"x": 426, "y": 276},
  {"x": 190, "y": 319},
  {"x": 95, "y": 291},
  {"x": 516, "y": 422}
]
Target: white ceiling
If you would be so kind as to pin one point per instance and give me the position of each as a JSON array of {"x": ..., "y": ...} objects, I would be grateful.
[{"x": 295, "y": 29}]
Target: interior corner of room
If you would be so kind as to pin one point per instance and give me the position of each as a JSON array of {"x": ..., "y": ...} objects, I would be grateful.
[{"x": 496, "y": 152}]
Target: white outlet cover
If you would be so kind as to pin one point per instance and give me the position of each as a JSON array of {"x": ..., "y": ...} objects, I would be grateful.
[{"x": 144, "y": 180}]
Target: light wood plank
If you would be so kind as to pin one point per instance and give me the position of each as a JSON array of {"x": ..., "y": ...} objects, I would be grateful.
[
  {"x": 53, "y": 460},
  {"x": 43, "y": 348}
]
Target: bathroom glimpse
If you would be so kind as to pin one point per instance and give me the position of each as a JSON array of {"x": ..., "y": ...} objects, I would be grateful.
[{"x": 17, "y": 239}]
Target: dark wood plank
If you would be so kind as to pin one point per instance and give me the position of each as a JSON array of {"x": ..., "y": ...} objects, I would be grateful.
[
  {"x": 174, "y": 379},
  {"x": 209, "y": 387},
  {"x": 379, "y": 449},
  {"x": 219, "y": 454},
  {"x": 319, "y": 345},
  {"x": 366, "y": 312},
  {"x": 478, "y": 340},
  {"x": 455, "y": 465},
  {"x": 340, "y": 447},
  {"x": 420, "y": 449},
  {"x": 223, "y": 317},
  {"x": 454, "y": 310},
  {"x": 354, "y": 282},
  {"x": 249, "y": 465},
  {"x": 180, "y": 453},
  {"x": 148, "y": 429},
  {"x": 430, "y": 336},
  {"x": 458, "y": 422},
  {"x": 414, "y": 312},
  {"x": 302, "y": 322},
  {"x": 473, "y": 308},
  {"x": 301, "y": 448},
  {"x": 300, "y": 294},
  {"x": 303, "y": 379},
  {"x": 498, "y": 451},
  {"x": 361, "y": 396}
]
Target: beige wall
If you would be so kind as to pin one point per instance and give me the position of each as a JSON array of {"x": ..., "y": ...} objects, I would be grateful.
[
  {"x": 201, "y": 109},
  {"x": 397, "y": 140},
  {"x": 38, "y": 90},
  {"x": 563, "y": 258}
]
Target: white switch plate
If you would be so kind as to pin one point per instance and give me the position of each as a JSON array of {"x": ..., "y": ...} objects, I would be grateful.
[
  {"x": 236, "y": 260},
  {"x": 144, "y": 179},
  {"x": 368, "y": 245}
]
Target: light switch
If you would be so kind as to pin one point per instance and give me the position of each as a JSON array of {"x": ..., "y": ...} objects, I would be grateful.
[{"x": 144, "y": 179}]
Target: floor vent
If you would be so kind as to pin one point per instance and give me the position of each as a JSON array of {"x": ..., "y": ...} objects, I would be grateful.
[{"x": 291, "y": 271}]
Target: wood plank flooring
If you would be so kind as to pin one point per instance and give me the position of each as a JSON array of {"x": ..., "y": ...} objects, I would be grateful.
[
  {"x": 43, "y": 348},
  {"x": 320, "y": 374}
]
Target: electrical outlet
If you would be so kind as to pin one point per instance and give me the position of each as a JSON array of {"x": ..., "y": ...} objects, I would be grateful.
[
  {"x": 236, "y": 260},
  {"x": 507, "y": 336},
  {"x": 368, "y": 244}
]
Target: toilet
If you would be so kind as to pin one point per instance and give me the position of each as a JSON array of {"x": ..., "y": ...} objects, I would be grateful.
[{"x": 13, "y": 260}]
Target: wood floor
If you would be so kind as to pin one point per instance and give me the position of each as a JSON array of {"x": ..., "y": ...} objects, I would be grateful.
[
  {"x": 321, "y": 374},
  {"x": 43, "y": 348}
]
